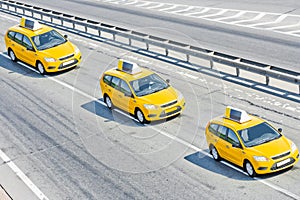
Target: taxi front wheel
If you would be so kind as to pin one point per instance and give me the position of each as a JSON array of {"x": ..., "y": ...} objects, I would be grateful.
[
  {"x": 108, "y": 102},
  {"x": 140, "y": 116},
  {"x": 12, "y": 55},
  {"x": 41, "y": 68},
  {"x": 215, "y": 154},
  {"x": 249, "y": 169}
]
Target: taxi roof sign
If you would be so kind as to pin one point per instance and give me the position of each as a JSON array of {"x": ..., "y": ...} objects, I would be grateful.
[
  {"x": 128, "y": 67},
  {"x": 30, "y": 23},
  {"x": 236, "y": 114}
]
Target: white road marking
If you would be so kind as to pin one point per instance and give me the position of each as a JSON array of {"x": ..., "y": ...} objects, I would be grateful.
[
  {"x": 199, "y": 12},
  {"x": 22, "y": 176},
  {"x": 156, "y": 6},
  {"x": 231, "y": 17},
  {"x": 39, "y": 194},
  {"x": 257, "y": 17},
  {"x": 145, "y": 3},
  {"x": 169, "y": 8},
  {"x": 278, "y": 20},
  {"x": 284, "y": 26},
  {"x": 133, "y": 2},
  {"x": 215, "y": 14},
  {"x": 182, "y": 10}
]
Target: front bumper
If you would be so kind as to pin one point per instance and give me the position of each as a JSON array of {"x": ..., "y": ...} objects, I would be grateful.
[{"x": 63, "y": 65}]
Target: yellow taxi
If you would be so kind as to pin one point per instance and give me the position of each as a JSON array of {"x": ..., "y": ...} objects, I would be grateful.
[
  {"x": 250, "y": 142},
  {"x": 41, "y": 46},
  {"x": 140, "y": 92}
]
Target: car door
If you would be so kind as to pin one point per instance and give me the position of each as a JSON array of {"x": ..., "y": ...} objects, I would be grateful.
[
  {"x": 28, "y": 52},
  {"x": 234, "y": 151},
  {"x": 17, "y": 46},
  {"x": 221, "y": 142},
  {"x": 126, "y": 98},
  {"x": 114, "y": 92}
]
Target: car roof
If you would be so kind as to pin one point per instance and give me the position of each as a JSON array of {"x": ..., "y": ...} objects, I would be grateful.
[
  {"x": 127, "y": 76},
  {"x": 235, "y": 125},
  {"x": 29, "y": 32}
]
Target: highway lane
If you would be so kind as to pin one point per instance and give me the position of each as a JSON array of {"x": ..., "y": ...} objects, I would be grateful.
[
  {"x": 258, "y": 44},
  {"x": 71, "y": 146}
]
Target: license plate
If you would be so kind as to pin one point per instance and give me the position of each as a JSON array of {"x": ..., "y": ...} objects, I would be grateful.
[
  {"x": 68, "y": 62},
  {"x": 279, "y": 164}
]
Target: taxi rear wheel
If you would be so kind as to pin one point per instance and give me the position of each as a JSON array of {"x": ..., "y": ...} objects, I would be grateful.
[
  {"x": 249, "y": 169},
  {"x": 41, "y": 68},
  {"x": 215, "y": 154},
  {"x": 12, "y": 55},
  {"x": 139, "y": 115},
  {"x": 108, "y": 102}
]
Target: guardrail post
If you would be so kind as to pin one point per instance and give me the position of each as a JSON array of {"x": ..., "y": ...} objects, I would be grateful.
[
  {"x": 147, "y": 46},
  {"x": 129, "y": 41},
  {"x": 167, "y": 52},
  {"x": 299, "y": 89},
  {"x": 73, "y": 24},
  {"x": 187, "y": 58},
  {"x": 114, "y": 37},
  {"x": 237, "y": 72},
  {"x": 267, "y": 80},
  {"x": 99, "y": 33},
  {"x": 211, "y": 63}
]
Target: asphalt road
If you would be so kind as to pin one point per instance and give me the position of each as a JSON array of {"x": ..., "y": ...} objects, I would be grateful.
[
  {"x": 279, "y": 47},
  {"x": 58, "y": 132}
]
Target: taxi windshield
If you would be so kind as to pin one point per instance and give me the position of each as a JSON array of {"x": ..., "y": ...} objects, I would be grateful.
[
  {"x": 48, "y": 40},
  {"x": 148, "y": 85},
  {"x": 259, "y": 134}
]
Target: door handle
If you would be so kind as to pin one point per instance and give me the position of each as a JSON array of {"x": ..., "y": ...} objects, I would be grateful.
[
  {"x": 109, "y": 90},
  {"x": 13, "y": 45},
  {"x": 227, "y": 147}
]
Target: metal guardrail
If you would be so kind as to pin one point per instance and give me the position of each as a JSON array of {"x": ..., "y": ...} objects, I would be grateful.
[{"x": 87, "y": 25}]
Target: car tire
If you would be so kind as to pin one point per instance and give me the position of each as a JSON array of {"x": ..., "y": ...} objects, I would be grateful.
[
  {"x": 108, "y": 102},
  {"x": 12, "y": 55},
  {"x": 248, "y": 167},
  {"x": 41, "y": 68},
  {"x": 215, "y": 154},
  {"x": 139, "y": 115}
]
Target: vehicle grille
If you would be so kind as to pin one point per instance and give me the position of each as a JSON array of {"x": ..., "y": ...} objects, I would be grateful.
[
  {"x": 66, "y": 57},
  {"x": 168, "y": 104},
  {"x": 163, "y": 114},
  {"x": 274, "y": 167},
  {"x": 75, "y": 61},
  {"x": 280, "y": 155}
]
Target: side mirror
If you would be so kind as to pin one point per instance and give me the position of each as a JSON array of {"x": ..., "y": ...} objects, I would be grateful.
[
  {"x": 66, "y": 36},
  {"x": 30, "y": 49},
  {"x": 128, "y": 95},
  {"x": 279, "y": 130},
  {"x": 168, "y": 80}
]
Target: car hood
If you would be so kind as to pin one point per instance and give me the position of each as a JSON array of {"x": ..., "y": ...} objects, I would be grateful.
[
  {"x": 59, "y": 51},
  {"x": 272, "y": 148},
  {"x": 161, "y": 97}
]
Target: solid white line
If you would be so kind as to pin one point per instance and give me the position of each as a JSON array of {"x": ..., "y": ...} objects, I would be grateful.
[
  {"x": 259, "y": 16},
  {"x": 163, "y": 133},
  {"x": 22, "y": 176},
  {"x": 130, "y": 3},
  {"x": 230, "y": 17},
  {"x": 212, "y": 15},
  {"x": 278, "y": 20}
]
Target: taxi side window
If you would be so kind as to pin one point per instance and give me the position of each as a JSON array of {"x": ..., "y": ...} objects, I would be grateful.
[
  {"x": 27, "y": 43},
  {"x": 115, "y": 82},
  {"x": 222, "y": 132},
  {"x": 213, "y": 128},
  {"x": 11, "y": 34},
  {"x": 18, "y": 38},
  {"x": 125, "y": 88},
  {"x": 107, "y": 79},
  {"x": 232, "y": 138}
]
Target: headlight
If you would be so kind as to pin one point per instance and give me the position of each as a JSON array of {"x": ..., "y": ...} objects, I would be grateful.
[
  {"x": 77, "y": 50},
  {"x": 260, "y": 158},
  {"x": 150, "y": 106},
  {"x": 180, "y": 96},
  {"x": 49, "y": 59},
  {"x": 293, "y": 147}
]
